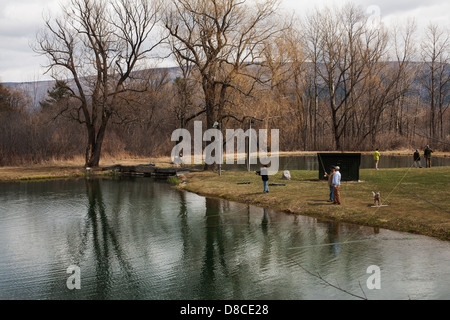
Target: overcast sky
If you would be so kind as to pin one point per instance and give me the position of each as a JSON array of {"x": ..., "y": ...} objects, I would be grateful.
[{"x": 20, "y": 20}]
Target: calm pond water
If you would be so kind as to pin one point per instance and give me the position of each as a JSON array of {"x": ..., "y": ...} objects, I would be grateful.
[
  {"x": 141, "y": 239},
  {"x": 310, "y": 162}
]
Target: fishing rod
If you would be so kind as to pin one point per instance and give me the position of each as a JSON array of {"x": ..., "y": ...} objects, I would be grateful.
[
  {"x": 428, "y": 137},
  {"x": 323, "y": 166}
]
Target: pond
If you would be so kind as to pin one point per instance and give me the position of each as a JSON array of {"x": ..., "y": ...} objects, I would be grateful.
[{"x": 137, "y": 238}]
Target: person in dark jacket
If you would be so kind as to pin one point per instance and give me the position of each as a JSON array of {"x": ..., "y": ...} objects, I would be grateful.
[
  {"x": 417, "y": 159},
  {"x": 330, "y": 181},
  {"x": 427, "y": 153},
  {"x": 265, "y": 177}
]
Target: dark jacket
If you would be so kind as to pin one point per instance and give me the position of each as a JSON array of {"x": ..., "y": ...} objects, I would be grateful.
[
  {"x": 427, "y": 152},
  {"x": 416, "y": 156},
  {"x": 264, "y": 176}
]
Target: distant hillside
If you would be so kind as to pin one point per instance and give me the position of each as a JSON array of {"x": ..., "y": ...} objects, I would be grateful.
[{"x": 37, "y": 90}]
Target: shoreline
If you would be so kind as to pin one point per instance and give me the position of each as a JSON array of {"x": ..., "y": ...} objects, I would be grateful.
[
  {"x": 419, "y": 199},
  {"x": 304, "y": 195}
]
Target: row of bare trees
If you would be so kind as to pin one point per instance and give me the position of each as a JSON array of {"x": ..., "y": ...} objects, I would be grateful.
[{"x": 334, "y": 79}]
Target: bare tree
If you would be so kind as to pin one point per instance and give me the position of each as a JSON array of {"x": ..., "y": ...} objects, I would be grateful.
[
  {"x": 390, "y": 78},
  {"x": 99, "y": 45},
  {"x": 436, "y": 56},
  {"x": 185, "y": 105},
  {"x": 288, "y": 92},
  {"x": 222, "y": 39},
  {"x": 311, "y": 38},
  {"x": 343, "y": 47}
]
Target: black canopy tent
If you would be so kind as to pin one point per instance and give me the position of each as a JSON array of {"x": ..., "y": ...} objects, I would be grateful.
[{"x": 349, "y": 164}]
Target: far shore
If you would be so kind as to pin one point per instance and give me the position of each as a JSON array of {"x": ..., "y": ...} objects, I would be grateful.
[
  {"x": 403, "y": 152},
  {"x": 70, "y": 168},
  {"x": 75, "y": 168}
]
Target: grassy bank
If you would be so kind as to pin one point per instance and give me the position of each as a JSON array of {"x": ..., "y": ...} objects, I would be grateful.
[{"x": 419, "y": 199}]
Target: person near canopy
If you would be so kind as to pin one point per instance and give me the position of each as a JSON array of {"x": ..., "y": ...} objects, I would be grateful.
[{"x": 337, "y": 186}]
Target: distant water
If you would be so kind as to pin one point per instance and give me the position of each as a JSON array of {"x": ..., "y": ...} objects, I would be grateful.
[
  {"x": 141, "y": 239},
  {"x": 310, "y": 162}
]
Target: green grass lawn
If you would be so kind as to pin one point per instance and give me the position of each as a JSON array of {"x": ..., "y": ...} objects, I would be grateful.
[{"x": 418, "y": 199}]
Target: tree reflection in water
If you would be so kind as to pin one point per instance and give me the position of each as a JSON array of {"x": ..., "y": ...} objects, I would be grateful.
[{"x": 105, "y": 244}]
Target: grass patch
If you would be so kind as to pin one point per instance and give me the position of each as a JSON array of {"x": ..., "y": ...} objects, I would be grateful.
[
  {"x": 419, "y": 199},
  {"x": 174, "y": 181},
  {"x": 38, "y": 178}
]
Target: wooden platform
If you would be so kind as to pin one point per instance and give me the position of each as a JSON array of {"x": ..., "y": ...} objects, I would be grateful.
[{"x": 146, "y": 170}]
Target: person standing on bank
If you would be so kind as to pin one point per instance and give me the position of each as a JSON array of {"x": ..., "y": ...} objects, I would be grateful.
[
  {"x": 376, "y": 157},
  {"x": 417, "y": 159},
  {"x": 337, "y": 186},
  {"x": 330, "y": 182},
  {"x": 264, "y": 173},
  {"x": 427, "y": 153}
]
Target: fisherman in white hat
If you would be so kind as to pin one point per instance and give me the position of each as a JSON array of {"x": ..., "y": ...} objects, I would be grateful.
[{"x": 337, "y": 186}]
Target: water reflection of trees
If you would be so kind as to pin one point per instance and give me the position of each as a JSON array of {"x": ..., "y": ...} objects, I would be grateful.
[
  {"x": 100, "y": 237},
  {"x": 223, "y": 251},
  {"x": 241, "y": 252},
  {"x": 214, "y": 250}
]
